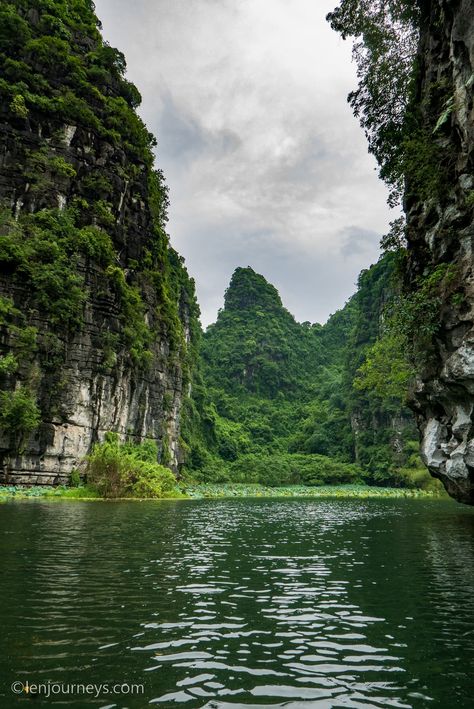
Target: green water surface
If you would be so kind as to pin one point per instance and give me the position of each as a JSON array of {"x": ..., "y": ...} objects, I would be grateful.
[{"x": 220, "y": 604}]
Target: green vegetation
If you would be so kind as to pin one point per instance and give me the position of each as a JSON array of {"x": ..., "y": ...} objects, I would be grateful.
[
  {"x": 405, "y": 137},
  {"x": 83, "y": 232},
  {"x": 13, "y": 492},
  {"x": 19, "y": 415},
  {"x": 10, "y": 493},
  {"x": 287, "y": 404},
  {"x": 341, "y": 491},
  {"x": 385, "y": 370},
  {"x": 405, "y": 340},
  {"x": 406, "y": 113},
  {"x": 385, "y": 36},
  {"x": 43, "y": 249},
  {"x": 46, "y": 68},
  {"x": 269, "y": 356},
  {"x": 55, "y": 67},
  {"x": 292, "y": 469},
  {"x": 273, "y": 402},
  {"x": 124, "y": 470}
]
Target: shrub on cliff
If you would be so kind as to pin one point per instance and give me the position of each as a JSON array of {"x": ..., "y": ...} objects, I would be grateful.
[
  {"x": 19, "y": 415},
  {"x": 125, "y": 470}
]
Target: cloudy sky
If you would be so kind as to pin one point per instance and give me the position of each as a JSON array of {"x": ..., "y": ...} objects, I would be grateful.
[{"x": 266, "y": 165}]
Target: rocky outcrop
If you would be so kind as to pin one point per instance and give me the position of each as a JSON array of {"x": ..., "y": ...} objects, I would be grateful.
[
  {"x": 79, "y": 154},
  {"x": 441, "y": 231}
]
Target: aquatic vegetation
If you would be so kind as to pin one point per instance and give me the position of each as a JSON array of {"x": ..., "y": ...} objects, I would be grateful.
[{"x": 357, "y": 491}]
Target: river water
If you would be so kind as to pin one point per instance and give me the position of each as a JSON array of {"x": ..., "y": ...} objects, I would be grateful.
[{"x": 239, "y": 603}]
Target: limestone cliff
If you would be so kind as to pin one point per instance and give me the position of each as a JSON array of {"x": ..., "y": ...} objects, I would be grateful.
[
  {"x": 97, "y": 313},
  {"x": 441, "y": 231}
]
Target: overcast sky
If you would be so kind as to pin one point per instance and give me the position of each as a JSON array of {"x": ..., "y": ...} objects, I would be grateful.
[{"x": 266, "y": 165}]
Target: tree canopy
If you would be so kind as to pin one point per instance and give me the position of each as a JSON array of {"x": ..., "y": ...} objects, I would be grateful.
[{"x": 385, "y": 34}]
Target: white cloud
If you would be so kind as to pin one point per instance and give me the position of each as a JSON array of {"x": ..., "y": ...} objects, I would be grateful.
[{"x": 266, "y": 165}]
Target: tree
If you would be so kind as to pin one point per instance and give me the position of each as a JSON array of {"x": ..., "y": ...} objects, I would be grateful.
[
  {"x": 19, "y": 415},
  {"x": 386, "y": 371},
  {"x": 386, "y": 38}
]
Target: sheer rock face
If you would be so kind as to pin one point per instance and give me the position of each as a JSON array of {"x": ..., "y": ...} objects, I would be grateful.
[
  {"x": 85, "y": 386},
  {"x": 86, "y": 396},
  {"x": 442, "y": 230}
]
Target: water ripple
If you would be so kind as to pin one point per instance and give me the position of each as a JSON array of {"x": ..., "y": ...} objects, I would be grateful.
[{"x": 222, "y": 604}]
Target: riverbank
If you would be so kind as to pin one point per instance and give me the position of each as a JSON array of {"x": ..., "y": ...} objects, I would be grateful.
[
  {"x": 243, "y": 490},
  {"x": 228, "y": 490}
]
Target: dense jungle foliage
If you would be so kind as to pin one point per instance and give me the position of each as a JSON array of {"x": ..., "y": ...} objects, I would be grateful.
[{"x": 289, "y": 403}]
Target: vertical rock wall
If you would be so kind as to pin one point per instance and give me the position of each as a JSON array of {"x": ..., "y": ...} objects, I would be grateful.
[
  {"x": 86, "y": 378},
  {"x": 441, "y": 231}
]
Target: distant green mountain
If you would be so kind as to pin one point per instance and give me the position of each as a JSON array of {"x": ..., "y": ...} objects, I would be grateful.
[
  {"x": 277, "y": 401},
  {"x": 256, "y": 346}
]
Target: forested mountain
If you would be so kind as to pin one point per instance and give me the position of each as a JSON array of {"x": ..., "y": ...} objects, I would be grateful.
[
  {"x": 281, "y": 402},
  {"x": 256, "y": 346}
]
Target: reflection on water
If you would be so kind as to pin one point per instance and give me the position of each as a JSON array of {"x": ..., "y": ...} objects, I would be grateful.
[{"x": 221, "y": 604}]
